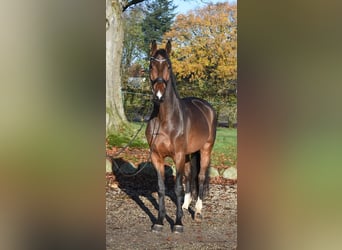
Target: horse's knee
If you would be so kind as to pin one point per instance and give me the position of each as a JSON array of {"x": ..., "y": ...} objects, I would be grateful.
[
  {"x": 161, "y": 191},
  {"x": 179, "y": 190},
  {"x": 201, "y": 178}
]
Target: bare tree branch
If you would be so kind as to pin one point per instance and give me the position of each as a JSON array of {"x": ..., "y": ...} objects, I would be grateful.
[{"x": 130, "y": 3}]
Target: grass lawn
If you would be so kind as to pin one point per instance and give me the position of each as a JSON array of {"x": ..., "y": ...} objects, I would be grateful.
[
  {"x": 125, "y": 135},
  {"x": 225, "y": 149}
]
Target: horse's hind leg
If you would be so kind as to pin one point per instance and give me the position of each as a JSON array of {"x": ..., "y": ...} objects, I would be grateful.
[
  {"x": 187, "y": 196},
  {"x": 179, "y": 161},
  {"x": 202, "y": 181}
]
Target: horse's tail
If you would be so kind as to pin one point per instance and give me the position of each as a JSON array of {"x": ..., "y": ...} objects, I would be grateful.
[{"x": 195, "y": 169}]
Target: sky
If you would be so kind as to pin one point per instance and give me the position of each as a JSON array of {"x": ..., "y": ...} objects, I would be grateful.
[{"x": 185, "y": 6}]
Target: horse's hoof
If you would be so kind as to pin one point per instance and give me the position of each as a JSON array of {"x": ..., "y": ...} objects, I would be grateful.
[
  {"x": 156, "y": 228},
  {"x": 198, "y": 217},
  {"x": 178, "y": 229}
]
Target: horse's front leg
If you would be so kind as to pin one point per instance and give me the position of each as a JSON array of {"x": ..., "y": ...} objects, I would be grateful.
[
  {"x": 179, "y": 161},
  {"x": 158, "y": 163}
]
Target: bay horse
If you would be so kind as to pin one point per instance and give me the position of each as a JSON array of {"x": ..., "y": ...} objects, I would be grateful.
[{"x": 183, "y": 129}]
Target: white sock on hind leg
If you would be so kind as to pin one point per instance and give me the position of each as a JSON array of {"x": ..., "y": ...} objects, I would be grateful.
[
  {"x": 187, "y": 201},
  {"x": 198, "y": 206}
]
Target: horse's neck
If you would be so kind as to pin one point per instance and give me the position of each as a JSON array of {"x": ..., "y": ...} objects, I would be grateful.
[{"x": 171, "y": 105}]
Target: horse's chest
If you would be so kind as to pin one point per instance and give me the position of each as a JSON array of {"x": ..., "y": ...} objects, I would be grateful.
[{"x": 163, "y": 144}]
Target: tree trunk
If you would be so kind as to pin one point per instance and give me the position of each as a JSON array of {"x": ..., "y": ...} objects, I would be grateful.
[{"x": 115, "y": 115}]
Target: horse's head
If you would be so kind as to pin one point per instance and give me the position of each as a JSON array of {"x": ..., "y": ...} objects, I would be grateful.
[{"x": 160, "y": 73}]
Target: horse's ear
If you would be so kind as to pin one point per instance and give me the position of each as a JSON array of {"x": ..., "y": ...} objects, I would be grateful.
[
  {"x": 168, "y": 47},
  {"x": 153, "y": 47}
]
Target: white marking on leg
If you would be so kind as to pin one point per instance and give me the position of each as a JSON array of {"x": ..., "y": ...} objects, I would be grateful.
[
  {"x": 187, "y": 201},
  {"x": 198, "y": 206}
]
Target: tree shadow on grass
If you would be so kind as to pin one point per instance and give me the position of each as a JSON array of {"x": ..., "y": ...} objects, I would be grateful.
[{"x": 143, "y": 181}]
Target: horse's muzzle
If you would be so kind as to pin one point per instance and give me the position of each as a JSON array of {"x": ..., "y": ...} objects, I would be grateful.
[
  {"x": 158, "y": 98},
  {"x": 159, "y": 90}
]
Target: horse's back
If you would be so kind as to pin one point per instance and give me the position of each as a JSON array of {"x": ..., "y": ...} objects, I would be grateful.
[
  {"x": 195, "y": 104},
  {"x": 202, "y": 120}
]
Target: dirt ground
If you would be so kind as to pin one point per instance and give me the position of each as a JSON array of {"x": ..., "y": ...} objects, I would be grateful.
[{"x": 132, "y": 208}]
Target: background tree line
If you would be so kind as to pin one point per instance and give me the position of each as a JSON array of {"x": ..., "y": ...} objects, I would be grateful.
[{"x": 203, "y": 57}]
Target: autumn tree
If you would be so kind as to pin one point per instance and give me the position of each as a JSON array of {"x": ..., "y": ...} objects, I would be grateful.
[{"x": 205, "y": 52}]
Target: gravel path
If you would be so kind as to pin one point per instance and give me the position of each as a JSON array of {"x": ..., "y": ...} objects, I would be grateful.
[{"x": 132, "y": 207}]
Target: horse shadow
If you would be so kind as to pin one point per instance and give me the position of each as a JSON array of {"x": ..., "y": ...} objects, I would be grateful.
[{"x": 143, "y": 181}]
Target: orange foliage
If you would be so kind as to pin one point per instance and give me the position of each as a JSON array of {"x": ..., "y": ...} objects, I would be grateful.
[{"x": 205, "y": 45}]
